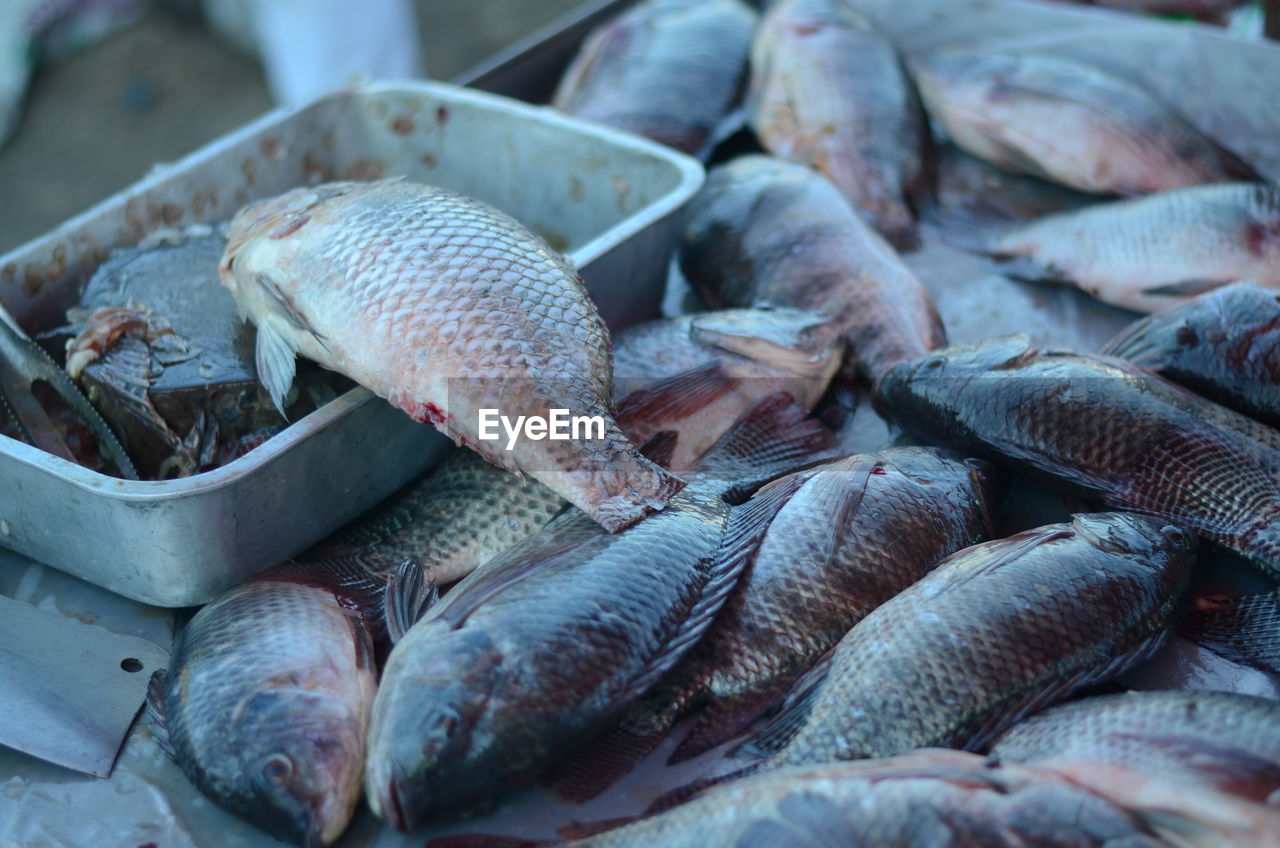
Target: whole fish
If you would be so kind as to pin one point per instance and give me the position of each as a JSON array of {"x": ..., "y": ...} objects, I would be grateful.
[
  {"x": 266, "y": 701},
  {"x": 445, "y": 307},
  {"x": 994, "y": 633},
  {"x": 1152, "y": 252},
  {"x": 854, "y": 533},
  {"x": 766, "y": 232},
  {"x": 1224, "y": 344},
  {"x": 545, "y": 645},
  {"x": 1201, "y": 768},
  {"x": 923, "y": 799},
  {"x": 1068, "y": 121},
  {"x": 1103, "y": 427},
  {"x": 827, "y": 89},
  {"x": 695, "y": 375},
  {"x": 666, "y": 69}
]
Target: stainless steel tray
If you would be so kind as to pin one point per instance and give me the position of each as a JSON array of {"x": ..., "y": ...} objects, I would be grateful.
[{"x": 605, "y": 198}]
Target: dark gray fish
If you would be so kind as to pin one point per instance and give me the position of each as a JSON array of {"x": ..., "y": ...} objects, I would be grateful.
[
  {"x": 547, "y": 644},
  {"x": 1224, "y": 344},
  {"x": 766, "y": 232},
  {"x": 993, "y": 634},
  {"x": 1068, "y": 121},
  {"x": 828, "y": 90},
  {"x": 666, "y": 69},
  {"x": 854, "y": 533},
  {"x": 1201, "y": 768},
  {"x": 266, "y": 701},
  {"x": 1103, "y": 427},
  {"x": 1150, "y": 253}
]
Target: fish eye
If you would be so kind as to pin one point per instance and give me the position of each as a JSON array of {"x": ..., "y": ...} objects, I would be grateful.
[
  {"x": 445, "y": 723},
  {"x": 277, "y": 769}
]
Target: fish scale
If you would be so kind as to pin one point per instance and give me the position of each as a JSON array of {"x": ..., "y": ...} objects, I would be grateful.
[{"x": 444, "y": 306}]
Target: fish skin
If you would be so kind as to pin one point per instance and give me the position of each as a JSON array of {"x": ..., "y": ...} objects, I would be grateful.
[
  {"x": 1149, "y": 253},
  {"x": 266, "y": 703},
  {"x": 1224, "y": 345},
  {"x": 1103, "y": 427},
  {"x": 1197, "y": 766},
  {"x": 923, "y": 799},
  {"x": 767, "y": 232},
  {"x": 828, "y": 90},
  {"x": 1068, "y": 121},
  {"x": 995, "y": 632},
  {"x": 443, "y": 306},
  {"x": 665, "y": 69},
  {"x": 755, "y": 353}
]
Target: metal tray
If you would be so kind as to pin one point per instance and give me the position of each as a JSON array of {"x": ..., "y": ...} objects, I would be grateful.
[{"x": 605, "y": 198}]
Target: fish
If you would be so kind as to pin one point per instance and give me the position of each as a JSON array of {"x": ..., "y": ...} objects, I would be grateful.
[
  {"x": 767, "y": 232},
  {"x": 695, "y": 375},
  {"x": 1200, "y": 768},
  {"x": 1224, "y": 345},
  {"x": 918, "y": 800},
  {"x": 1148, "y": 253},
  {"x": 266, "y": 701},
  {"x": 546, "y": 644},
  {"x": 1100, "y": 427},
  {"x": 855, "y": 532},
  {"x": 666, "y": 69},
  {"x": 994, "y": 633},
  {"x": 828, "y": 90},
  {"x": 443, "y": 306},
  {"x": 1241, "y": 628},
  {"x": 969, "y": 189},
  {"x": 1070, "y": 122}
]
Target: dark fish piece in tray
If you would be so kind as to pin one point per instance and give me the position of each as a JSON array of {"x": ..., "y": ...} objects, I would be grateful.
[
  {"x": 1224, "y": 344},
  {"x": 1200, "y": 768},
  {"x": 161, "y": 351},
  {"x": 767, "y": 232},
  {"x": 547, "y": 644},
  {"x": 666, "y": 69},
  {"x": 1103, "y": 427},
  {"x": 854, "y": 533},
  {"x": 993, "y": 634}
]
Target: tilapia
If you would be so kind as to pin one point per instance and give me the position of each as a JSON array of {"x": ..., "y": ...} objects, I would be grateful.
[
  {"x": 923, "y": 799},
  {"x": 695, "y": 375},
  {"x": 854, "y": 533},
  {"x": 1224, "y": 345},
  {"x": 266, "y": 701},
  {"x": 766, "y": 232},
  {"x": 1102, "y": 427},
  {"x": 827, "y": 89},
  {"x": 444, "y": 306},
  {"x": 1200, "y": 768},
  {"x": 666, "y": 69},
  {"x": 1069, "y": 121},
  {"x": 545, "y": 645},
  {"x": 1149, "y": 253},
  {"x": 1241, "y": 628},
  {"x": 993, "y": 634}
]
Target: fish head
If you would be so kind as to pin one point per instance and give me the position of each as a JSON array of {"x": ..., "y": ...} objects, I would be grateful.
[
  {"x": 426, "y": 730},
  {"x": 299, "y": 757},
  {"x": 1146, "y": 539},
  {"x": 919, "y": 388}
]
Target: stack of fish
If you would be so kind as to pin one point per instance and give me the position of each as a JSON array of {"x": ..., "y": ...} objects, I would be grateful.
[{"x": 559, "y": 608}]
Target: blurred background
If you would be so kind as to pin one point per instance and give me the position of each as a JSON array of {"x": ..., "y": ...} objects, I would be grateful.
[{"x": 118, "y": 85}]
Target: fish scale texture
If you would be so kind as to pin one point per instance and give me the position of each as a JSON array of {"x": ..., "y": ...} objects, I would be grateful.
[{"x": 992, "y": 632}]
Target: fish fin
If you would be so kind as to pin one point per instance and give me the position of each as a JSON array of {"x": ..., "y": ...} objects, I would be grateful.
[
  {"x": 585, "y": 830},
  {"x": 594, "y": 767},
  {"x": 408, "y": 597},
  {"x": 726, "y": 717},
  {"x": 772, "y": 437},
  {"x": 784, "y": 726},
  {"x": 660, "y": 449},
  {"x": 689, "y": 791},
  {"x": 276, "y": 359},
  {"x": 1184, "y": 288},
  {"x": 486, "y": 840},
  {"x": 679, "y": 395},
  {"x": 1244, "y": 629},
  {"x": 286, "y": 307},
  {"x": 1141, "y": 343},
  {"x": 156, "y": 716}
]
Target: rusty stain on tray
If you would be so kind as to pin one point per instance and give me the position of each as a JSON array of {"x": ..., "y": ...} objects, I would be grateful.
[{"x": 402, "y": 125}]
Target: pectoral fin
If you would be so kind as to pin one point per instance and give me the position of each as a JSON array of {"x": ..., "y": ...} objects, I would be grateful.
[{"x": 276, "y": 357}]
